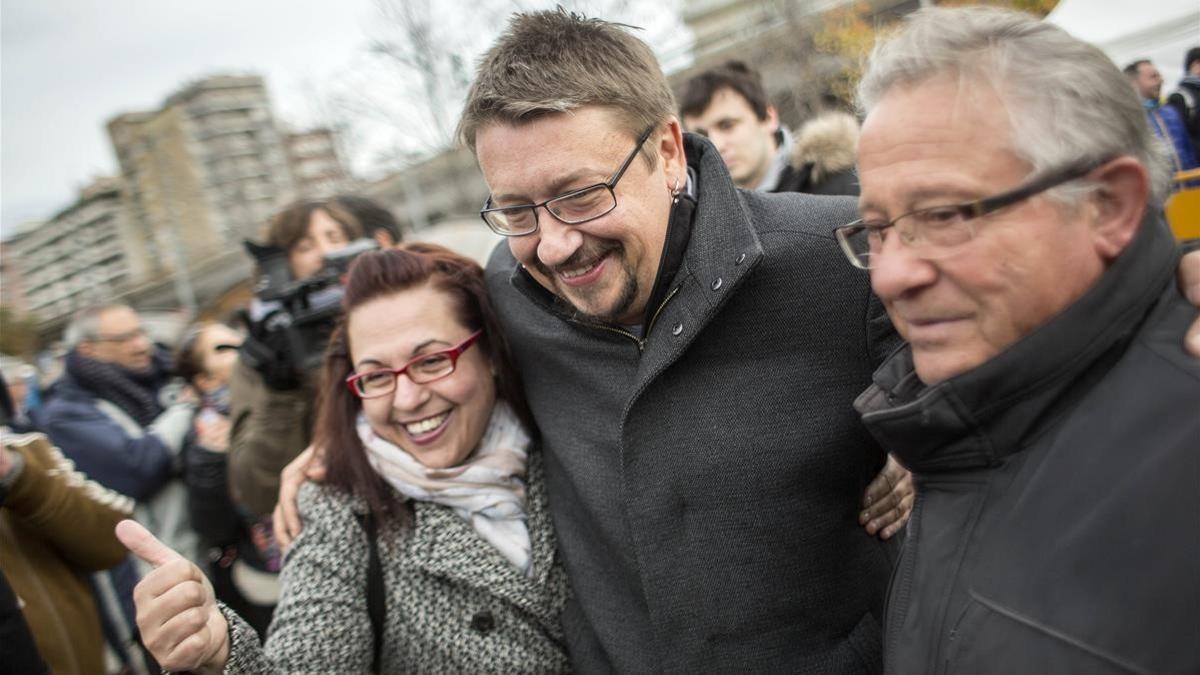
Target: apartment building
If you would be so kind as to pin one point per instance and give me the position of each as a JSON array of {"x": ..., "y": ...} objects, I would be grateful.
[
  {"x": 313, "y": 160},
  {"x": 84, "y": 254},
  {"x": 12, "y": 286},
  {"x": 204, "y": 171}
]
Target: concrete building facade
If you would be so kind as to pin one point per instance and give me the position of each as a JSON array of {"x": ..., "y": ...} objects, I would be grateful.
[
  {"x": 446, "y": 186},
  {"x": 204, "y": 171},
  {"x": 314, "y": 163},
  {"x": 86, "y": 253},
  {"x": 12, "y": 286},
  {"x": 198, "y": 175}
]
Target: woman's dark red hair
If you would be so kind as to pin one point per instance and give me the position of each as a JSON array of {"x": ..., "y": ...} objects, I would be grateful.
[{"x": 377, "y": 274}]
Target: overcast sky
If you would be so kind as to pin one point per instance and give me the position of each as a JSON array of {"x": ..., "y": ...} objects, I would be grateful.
[
  {"x": 67, "y": 66},
  {"x": 1159, "y": 30}
]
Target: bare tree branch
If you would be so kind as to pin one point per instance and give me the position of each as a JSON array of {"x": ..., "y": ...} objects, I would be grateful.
[{"x": 419, "y": 59}]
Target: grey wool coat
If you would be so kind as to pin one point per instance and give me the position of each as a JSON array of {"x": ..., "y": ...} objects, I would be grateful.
[
  {"x": 705, "y": 479},
  {"x": 454, "y": 604}
]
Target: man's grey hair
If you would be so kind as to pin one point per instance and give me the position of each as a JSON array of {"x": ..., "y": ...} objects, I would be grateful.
[
  {"x": 1067, "y": 101},
  {"x": 85, "y": 324}
]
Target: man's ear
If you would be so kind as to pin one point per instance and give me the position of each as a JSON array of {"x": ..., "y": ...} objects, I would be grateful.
[
  {"x": 772, "y": 118},
  {"x": 86, "y": 349},
  {"x": 670, "y": 150},
  {"x": 1119, "y": 205}
]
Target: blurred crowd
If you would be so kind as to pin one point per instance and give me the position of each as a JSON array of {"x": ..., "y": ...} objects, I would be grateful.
[
  {"x": 174, "y": 433},
  {"x": 680, "y": 422}
]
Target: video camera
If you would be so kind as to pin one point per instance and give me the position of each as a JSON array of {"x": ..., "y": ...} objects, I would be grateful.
[{"x": 292, "y": 321}]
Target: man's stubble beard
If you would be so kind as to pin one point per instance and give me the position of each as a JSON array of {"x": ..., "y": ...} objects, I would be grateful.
[{"x": 629, "y": 287}]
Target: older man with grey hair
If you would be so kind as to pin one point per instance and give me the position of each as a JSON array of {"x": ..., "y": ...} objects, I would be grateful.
[
  {"x": 116, "y": 414},
  {"x": 110, "y": 412},
  {"x": 1011, "y": 201}
]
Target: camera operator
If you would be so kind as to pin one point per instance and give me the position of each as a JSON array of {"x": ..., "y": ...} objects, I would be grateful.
[{"x": 272, "y": 387}]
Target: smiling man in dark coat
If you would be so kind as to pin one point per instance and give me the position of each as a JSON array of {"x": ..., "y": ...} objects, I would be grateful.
[{"x": 690, "y": 352}]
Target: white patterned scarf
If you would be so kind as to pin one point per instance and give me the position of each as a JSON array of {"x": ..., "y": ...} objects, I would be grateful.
[{"x": 487, "y": 490}]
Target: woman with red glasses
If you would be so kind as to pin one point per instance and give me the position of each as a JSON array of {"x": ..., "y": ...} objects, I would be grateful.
[{"x": 429, "y": 546}]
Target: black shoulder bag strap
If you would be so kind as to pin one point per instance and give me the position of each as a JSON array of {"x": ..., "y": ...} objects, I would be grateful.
[{"x": 376, "y": 609}]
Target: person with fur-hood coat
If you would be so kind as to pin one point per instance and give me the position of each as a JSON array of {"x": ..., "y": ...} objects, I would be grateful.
[{"x": 823, "y": 157}]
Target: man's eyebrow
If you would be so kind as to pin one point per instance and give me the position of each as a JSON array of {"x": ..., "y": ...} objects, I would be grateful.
[
  {"x": 944, "y": 196},
  {"x": 941, "y": 192},
  {"x": 556, "y": 187}
]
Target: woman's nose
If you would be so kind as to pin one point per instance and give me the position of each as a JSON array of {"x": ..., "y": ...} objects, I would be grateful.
[{"x": 408, "y": 394}]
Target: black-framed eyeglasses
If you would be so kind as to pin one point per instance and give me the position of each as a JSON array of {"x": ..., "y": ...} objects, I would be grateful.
[
  {"x": 937, "y": 232},
  {"x": 573, "y": 208},
  {"x": 423, "y": 369}
]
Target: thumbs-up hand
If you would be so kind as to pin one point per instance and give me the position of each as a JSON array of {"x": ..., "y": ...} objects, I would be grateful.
[{"x": 176, "y": 608}]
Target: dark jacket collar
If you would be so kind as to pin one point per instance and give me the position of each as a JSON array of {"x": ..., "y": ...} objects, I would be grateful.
[
  {"x": 724, "y": 243},
  {"x": 981, "y": 416}
]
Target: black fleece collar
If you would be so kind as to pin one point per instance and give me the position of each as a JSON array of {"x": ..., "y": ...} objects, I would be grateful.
[{"x": 679, "y": 233}]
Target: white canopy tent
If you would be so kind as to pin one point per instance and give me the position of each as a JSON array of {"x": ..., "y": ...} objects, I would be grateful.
[{"x": 1159, "y": 30}]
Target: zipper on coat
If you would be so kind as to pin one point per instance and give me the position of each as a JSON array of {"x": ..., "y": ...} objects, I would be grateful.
[
  {"x": 902, "y": 583},
  {"x": 640, "y": 342},
  {"x": 619, "y": 331},
  {"x": 654, "y": 317}
]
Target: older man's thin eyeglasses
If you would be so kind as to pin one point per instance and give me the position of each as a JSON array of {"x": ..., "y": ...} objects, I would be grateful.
[
  {"x": 423, "y": 369},
  {"x": 127, "y": 336},
  {"x": 573, "y": 208},
  {"x": 937, "y": 232}
]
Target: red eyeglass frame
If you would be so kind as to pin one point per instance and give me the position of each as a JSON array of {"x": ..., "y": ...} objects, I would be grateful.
[{"x": 453, "y": 352}]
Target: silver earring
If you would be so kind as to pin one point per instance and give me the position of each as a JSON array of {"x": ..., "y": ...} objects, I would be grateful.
[{"x": 675, "y": 189}]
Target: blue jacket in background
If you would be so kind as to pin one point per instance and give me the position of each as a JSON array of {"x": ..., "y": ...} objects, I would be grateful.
[
  {"x": 129, "y": 461},
  {"x": 1169, "y": 126},
  {"x": 144, "y": 463}
]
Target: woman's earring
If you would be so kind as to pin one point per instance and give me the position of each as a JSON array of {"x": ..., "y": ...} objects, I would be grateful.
[{"x": 675, "y": 189}]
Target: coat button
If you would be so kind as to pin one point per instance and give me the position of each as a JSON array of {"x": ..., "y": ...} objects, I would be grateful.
[
  {"x": 716, "y": 284},
  {"x": 483, "y": 621},
  {"x": 740, "y": 259},
  {"x": 677, "y": 329}
]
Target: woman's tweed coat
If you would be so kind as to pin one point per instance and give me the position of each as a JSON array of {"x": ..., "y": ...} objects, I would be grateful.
[{"x": 454, "y": 604}]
